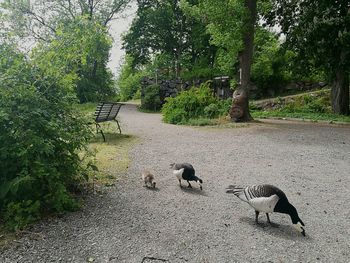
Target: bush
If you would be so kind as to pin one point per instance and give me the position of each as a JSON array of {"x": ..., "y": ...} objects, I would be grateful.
[
  {"x": 151, "y": 100},
  {"x": 190, "y": 104},
  {"x": 211, "y": 110},
  {"x": 41, "y": 142}
]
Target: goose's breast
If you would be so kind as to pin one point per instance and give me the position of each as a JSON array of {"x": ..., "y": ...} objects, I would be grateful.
[
  {"x": 264, "y": 204},
  {"x": 178, "y": 173}
]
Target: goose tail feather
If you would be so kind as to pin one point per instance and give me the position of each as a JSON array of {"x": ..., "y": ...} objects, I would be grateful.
[{"x": 237, "y": 191}]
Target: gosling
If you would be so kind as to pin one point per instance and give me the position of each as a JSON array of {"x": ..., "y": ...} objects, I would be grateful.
[{"x": 148, "y": 178}]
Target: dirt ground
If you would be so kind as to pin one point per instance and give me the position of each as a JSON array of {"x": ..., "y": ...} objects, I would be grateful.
[{"x": 130, "y": 223}]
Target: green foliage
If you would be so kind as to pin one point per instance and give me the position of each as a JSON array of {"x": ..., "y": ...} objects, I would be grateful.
[
  {"x": 212, "y": 110},
  {"x": 270, "y": 66},
  {"x": 129, "y": 81},
  {"x": 39, "y": 19},
  {"x": 20, "y": 214},
  {"x": 189, "y": 104},
  {"x": 41, "y": 138},
  {"x": 151, "y": 99},
  {"x": 224, "y": 22},
  {"x": 79, "y": 51},
  {"x": 163, "y": 35},
  {"x": 308, "y": 104},
  {"x": 201, "y": 122},
  {"x": 320, "y": 36}
]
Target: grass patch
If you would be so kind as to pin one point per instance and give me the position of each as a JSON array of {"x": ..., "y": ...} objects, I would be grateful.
[
  {"x": 201, "y": 122},
  {"x": 301, "y": 115},
  {"x": 6, "y": 236},
  {"x": 314, "y": 106},
  {"x": 112, "y": 156}
]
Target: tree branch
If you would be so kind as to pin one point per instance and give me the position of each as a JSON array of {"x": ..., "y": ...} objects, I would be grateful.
[{"x": 114, "y": 10}]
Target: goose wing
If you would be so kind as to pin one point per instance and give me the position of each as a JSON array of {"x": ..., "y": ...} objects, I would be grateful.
[{"x": 261, "y": 197}]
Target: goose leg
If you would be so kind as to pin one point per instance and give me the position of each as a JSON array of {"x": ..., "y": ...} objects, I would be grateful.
[
  {"x": 189, "y": 185},
  {"x": 256, "y": 217},
  {"x": 268, "y": 218},
  {"x": 180, "y": 182}
]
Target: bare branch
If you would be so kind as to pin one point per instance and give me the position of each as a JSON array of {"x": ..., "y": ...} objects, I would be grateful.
[
  {"x": 38, "y": 18},
  {"x": 114, "y": 10}
]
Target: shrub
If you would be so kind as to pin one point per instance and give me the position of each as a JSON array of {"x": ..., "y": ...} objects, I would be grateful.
[
  {"x": 211, "y": 111},
  {"x": 151, "y": 99},
  {"x": 41, "y": 139},
  {"x": 189, "y": 104}
]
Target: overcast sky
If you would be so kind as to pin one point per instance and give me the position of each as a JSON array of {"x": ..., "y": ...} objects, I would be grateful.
[{"x": 117, "y": 28}]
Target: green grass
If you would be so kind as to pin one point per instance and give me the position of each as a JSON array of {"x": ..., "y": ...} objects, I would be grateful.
[
  {"x": 112, "y": 156},
  {"x": 86, "y": 108},
  {"x": 202, "y": 122},
  {"x": 5, "y": 236},
  {"x": 301, "y": 115}
]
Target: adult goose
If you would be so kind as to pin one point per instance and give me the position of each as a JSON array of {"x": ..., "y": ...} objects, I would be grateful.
[
  {"x": 185, "y": 171},
  {"x": 267, "y": 198}
]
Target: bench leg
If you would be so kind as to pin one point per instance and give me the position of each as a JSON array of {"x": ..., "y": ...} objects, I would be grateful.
[
  {"x": 120, "y": 131},
  {"x": 98, "y": 128}
]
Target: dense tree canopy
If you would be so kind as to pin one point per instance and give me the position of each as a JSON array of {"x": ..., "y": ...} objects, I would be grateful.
[
  {"x": 81, "y": 23},
  {"x": 319, "y": 31},
  {"x": 40, "y": 18},
  {"x": 161, "y": 29}
]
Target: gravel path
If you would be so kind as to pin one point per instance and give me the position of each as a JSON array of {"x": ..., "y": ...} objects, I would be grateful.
[{"x": 130, "y": 223}]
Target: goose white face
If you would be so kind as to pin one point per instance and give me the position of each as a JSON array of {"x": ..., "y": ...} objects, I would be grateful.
[{"x": 299, "y": 227}]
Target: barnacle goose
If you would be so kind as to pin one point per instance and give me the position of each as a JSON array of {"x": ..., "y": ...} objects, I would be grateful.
[
  {"x": 267, "y": 198},
  {"x": 185, "y": 171},
  {"x": 148, "y": 178}
]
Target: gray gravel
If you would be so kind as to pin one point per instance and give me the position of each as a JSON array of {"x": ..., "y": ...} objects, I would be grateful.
[{"x": 130, "y": 223}]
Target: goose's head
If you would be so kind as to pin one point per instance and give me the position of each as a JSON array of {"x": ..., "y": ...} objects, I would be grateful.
[
  {"x": 300, "y": 227},
  {"x": 297, "y": 222},
  {"x": 200, "y": 181}
]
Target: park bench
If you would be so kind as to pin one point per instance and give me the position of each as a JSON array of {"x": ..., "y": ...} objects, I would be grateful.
[{"x": 106, "y": 111}]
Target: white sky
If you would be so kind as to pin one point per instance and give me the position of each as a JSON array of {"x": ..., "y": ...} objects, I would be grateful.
[{"x": 117, "y": 28}]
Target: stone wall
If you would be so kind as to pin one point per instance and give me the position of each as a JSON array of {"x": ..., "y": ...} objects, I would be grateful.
[{"x": 168, "y": 88}]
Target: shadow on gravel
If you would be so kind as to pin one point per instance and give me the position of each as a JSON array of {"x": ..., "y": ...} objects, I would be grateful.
[
  {"x": 151, "y": 188},
  {"x": 194, "y": 191},
  {"x": 278, "y": 230}
]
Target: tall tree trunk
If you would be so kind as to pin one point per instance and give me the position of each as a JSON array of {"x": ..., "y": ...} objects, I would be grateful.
[
  {"x": 340, "y": 92},
  {"x": 240, "y": 101}
]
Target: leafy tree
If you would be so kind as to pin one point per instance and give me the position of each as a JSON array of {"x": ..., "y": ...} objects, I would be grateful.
[
  {"x": 231, "y": 26},
  {"x": 272, "y": 65},
  {"x": 83, "y": 23},
  {"x": 31, "y": 18},
  {"x": 319, "y": 31},
  {"x": 80, "y": 49},
  {"x": 129, "y": 81},
  {"x": 161, "y": 29}
]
